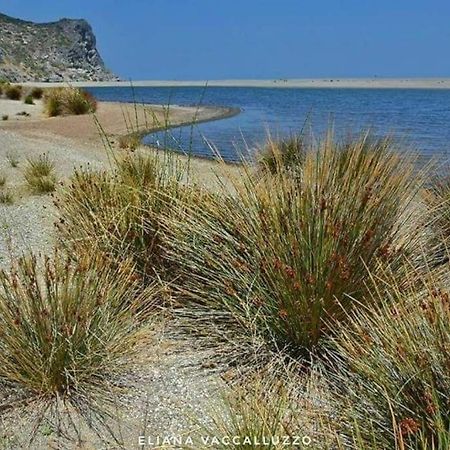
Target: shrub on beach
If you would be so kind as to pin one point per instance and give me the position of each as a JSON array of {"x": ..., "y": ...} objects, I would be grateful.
[
  {"x": 66, "y": 101},
  {"x": 37, "y": 93},
  {"x": 119, "y": 213},
  {"x": 13, "y": 92},
  {"x": 278, "y": 254},
  {"x": 40, "y": 174},
  {"x": 66, "y": 329},
  {"x": 29, "y": 100},
  {"x": 393, "y": 363},
  {"x": 5, "y": 117}
]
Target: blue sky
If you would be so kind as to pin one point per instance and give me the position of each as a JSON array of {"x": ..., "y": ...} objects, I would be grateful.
[{"x": 218, "y": 39}]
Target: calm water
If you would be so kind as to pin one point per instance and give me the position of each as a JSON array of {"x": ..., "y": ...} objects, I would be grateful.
[{"x": 420, "y": 118}]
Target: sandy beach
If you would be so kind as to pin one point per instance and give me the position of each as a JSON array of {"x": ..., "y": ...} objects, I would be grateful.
[{"x": 331, "y": 82}]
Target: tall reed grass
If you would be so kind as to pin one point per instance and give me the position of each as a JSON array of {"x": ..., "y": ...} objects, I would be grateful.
[
  {"x": 281, "y": 252},
  {"x": 393, "y": 361},
  {"x": 66, "y": 330}
]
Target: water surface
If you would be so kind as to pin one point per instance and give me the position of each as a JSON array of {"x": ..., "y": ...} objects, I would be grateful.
[{"x": 420, "y": 118}]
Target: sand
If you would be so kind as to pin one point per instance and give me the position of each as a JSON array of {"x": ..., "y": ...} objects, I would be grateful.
[{"x": 330, "y": 82}]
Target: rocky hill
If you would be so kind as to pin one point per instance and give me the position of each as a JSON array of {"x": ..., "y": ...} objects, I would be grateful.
[{"x": 57, "y": 51}]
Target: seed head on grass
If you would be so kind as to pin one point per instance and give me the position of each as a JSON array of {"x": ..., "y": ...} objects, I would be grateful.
[
  {"x": 68, "y": 330},
  {"x": 393, "y": 361},
  {"x": 40, "y": 174},
  {"x": 283, "y": 252}
]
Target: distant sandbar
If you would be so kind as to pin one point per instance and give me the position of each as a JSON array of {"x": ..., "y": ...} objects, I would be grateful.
[{"x": 348, "y": 83}]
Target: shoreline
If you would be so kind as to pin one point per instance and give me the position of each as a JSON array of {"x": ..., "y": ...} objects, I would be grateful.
[
  {"x": 115, "y": 118},
  {"x": 304, "y": 83}
]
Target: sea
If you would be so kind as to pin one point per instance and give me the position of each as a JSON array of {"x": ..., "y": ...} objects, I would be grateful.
[{"x": 418, "y": 119}]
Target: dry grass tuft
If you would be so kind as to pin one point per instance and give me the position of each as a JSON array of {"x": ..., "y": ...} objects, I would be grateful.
[
  {"x": 67, "y": 101},
  {"x": 40, "y": 174}
]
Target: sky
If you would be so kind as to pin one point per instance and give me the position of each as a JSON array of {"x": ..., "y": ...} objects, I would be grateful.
[{"x": 259, "y": 39}]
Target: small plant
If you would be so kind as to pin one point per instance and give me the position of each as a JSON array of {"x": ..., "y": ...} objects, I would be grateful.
[
  {"x": 29, "y": 100},
  {"x": 5, "y": 117},
  {"x": 40, "y": 174},
  {"x": 267, "y": 412},
  {"x": 393, "y": 363},
  {"x": 13, "y": 92},
  {"x": 37, "y": 93},
  {"x": 2, "y": 180},
  {"x": 6, "y": 197},
  {"x": 12, "y": 159},
  {"x": 129, "y": 141}
]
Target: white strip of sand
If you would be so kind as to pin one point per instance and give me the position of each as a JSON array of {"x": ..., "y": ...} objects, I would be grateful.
[{"x": 348, "y": 83}]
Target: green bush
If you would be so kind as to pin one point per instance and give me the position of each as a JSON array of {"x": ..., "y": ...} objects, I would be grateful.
[
  {"x": 5, "y": 117},
  {"x": 279, "y": 254},
  {"x": 29, "y": 100},
  {"x": 393, "y": 363}
]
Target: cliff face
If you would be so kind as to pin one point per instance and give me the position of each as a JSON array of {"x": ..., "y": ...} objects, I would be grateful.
[{"x": 58, "y": 51}]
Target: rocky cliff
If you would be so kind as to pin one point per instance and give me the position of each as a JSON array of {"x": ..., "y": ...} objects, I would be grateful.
[{"x": 58, "y": 51}]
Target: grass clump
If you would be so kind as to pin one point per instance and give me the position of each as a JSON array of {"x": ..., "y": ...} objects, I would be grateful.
[
  {"x": 66, "y": 101},
  {"x": 40, "y": 174},
  {"x": 120, "y": 213},
  {"x": 29, "y": 100},
  {"x": 393, "y": 364},
  {"x": 13, "y": 92},
  {"x": 37, "y": 93},
  {"x": 129, "y": 141},
  {"x": 279, "y": 254},
  {"x": 282, "y": 154},
  {"x": 66, "y": 330},
  {"x": 5, "y": 117},
  {"x": 2, "y": 180},
  {"x": 6, "y": 197}
]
